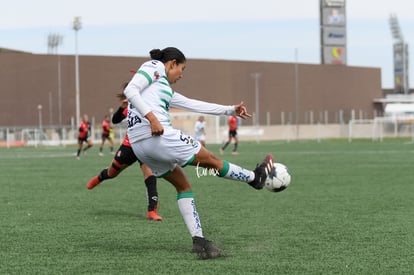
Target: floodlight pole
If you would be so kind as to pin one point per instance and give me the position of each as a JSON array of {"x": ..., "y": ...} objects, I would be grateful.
[
  {"x": 297, "y": 103},
  {"x": 77, "y": 25},
  {"x": 400, "y": 62},
  {"x": 256, "y": 77},
  {"x": 59, "y": 91},
  {"x": 53, "y": 42},
  {"x": 39, "y": 109}
]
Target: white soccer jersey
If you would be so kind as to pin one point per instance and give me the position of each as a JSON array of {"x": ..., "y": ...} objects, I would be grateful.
[
  {"x": 199, "y": 130},
  {"x": 149, "y": 90}
]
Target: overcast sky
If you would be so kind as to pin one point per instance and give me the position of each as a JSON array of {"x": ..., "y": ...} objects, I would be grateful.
[{"x": 261, "y": 30}]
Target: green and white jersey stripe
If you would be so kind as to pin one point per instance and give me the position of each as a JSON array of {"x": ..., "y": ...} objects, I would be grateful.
[
  {"x": 157, "y": 95},
  {"x": 152, "y": 83}
]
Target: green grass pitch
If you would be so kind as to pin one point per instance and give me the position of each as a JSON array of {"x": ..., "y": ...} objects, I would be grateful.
[{"x": 348, "y": 210}]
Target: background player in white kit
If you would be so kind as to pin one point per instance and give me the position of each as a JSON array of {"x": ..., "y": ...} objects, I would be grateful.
[
  {"x": 149, "y": 126},
  {"x": 200, "y": 130}
]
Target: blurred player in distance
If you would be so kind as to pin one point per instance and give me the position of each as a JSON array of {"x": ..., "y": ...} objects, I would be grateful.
[
  {"x": 106, "y": 135},
  {"x": 233, "y": 124},
  {"x": 84, "y": 132},
  {"x": 200, "y": 130}
]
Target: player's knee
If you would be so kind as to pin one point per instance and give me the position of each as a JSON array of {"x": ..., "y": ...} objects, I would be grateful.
[
  {"x": 212, "y": 161},
  {"x": 147, "y": 173}
]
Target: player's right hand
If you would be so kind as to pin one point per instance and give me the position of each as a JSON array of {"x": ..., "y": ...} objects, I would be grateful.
[{"x": 156, "y": 127}]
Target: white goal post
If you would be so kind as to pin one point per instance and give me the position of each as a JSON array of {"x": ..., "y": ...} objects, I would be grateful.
[
  {"x": 185, "y": 121},
  {"x": 381, "y": 127}
]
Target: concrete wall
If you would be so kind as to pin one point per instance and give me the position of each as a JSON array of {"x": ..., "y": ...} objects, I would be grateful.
[{"x": 28, "y": 80}]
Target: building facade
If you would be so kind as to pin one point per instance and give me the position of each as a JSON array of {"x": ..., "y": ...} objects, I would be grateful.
[{"x": 284, "y": 92}]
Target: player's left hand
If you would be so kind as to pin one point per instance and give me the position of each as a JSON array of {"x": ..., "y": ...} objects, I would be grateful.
[{"x": 241, "y": 111}]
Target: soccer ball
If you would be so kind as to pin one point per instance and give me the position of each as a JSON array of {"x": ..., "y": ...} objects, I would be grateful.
[{"x": 279, "y": 179}]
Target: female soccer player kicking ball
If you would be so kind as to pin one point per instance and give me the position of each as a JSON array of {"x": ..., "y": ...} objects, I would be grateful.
[{"x": 165, "y": 149}]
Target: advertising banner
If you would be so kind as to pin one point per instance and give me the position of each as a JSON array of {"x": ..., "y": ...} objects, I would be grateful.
[
  {"x": 333, "y": 36},
  {"x": 333, "y": 17},
  {"x": 401, "y": 67},
  {"x": 334, "y": 55},
  {"x": 333, "y": 32}
]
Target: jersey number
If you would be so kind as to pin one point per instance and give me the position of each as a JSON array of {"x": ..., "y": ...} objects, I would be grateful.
[{"x": 133, "y": 120}]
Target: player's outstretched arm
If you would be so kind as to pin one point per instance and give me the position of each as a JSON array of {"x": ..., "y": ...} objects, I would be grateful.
[{"x": 181, "y": 102}]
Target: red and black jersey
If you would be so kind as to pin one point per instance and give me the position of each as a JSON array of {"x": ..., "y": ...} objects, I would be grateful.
[
  {"x": 233, "y": 123},
  {"x": 84, "y": 129},
  {"x": 106, "y": 127}
]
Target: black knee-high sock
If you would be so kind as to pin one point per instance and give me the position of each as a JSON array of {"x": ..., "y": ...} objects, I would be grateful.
[
  {"x": 235, "y": 147},
  {"x": 103, "y": 175},
  {"x": 225, "y": 145},
  {"x": 152, "y": 194}
]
